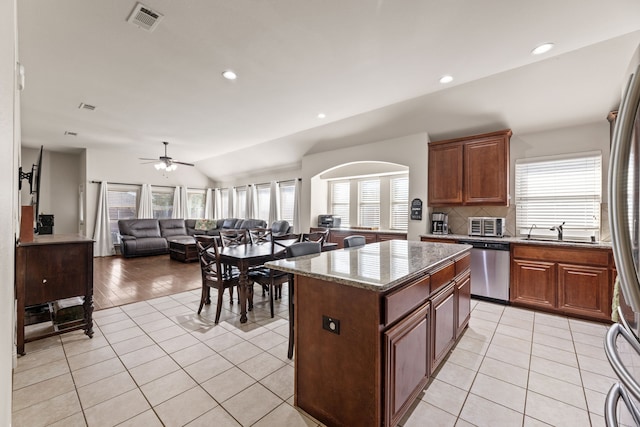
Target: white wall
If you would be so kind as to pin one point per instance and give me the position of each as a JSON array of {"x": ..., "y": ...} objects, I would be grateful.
[
  {"x": 409, "y": 151},
  {"x": 58, "y": 186},
  {"x": 122, "y": 166},
  {"x": 9, "y": 144}
]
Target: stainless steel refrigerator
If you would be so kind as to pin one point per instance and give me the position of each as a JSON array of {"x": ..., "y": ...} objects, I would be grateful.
[{"x": 622, "y": 345}]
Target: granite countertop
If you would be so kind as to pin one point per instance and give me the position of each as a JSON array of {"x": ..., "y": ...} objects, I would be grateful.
[
  {"x": 521, "y": 240},
  {"x": 377, "y": 266}
]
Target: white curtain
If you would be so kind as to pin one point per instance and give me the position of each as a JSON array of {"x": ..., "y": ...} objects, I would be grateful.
[
  {"x": 249, "y": 199},
  {"x": 177, "y": 205},
  {"x": 273, "y": 203},
  {"x": 145, "y": 210},
  {"x": 103, "y": 245},
  {"x": 208, "y": 204},
  {"x": 254, "y": 204},
  {"x": 232, "y": 193},
  {"x": 218, "y": 204},
  {"x": 184, "y": 200},
  {"x": 296, "y": 206}
]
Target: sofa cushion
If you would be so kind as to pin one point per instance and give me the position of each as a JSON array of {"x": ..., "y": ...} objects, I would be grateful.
[
  {"x": 230, "y": 223},
  {"x": 172, "y": 227},
  {"x": 205, "y": 224},
  {"x": 139, "y": 227}
]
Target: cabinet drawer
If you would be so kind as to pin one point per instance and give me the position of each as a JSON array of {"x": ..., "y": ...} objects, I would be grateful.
[
  {"x": 463, "y": 264},
  {"x": 400, "y": 302},
  {"x": 442, "y": 276},
  {"x": 585, "y": 256}
]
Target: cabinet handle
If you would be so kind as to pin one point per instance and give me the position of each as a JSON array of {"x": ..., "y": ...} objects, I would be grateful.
[{"x": 44, "y": 281}]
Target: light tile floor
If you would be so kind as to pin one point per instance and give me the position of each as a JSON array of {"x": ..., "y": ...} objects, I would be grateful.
[{"x": 156, "y": 363}]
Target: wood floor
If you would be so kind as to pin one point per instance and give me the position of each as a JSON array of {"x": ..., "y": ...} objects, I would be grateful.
[{"x": 118, "y": 280}]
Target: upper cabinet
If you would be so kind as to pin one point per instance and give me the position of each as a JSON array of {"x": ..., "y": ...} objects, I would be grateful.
[{"x": 473, "y": 170}]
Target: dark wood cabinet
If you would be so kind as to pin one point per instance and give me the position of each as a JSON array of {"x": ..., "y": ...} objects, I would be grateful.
[
  {"x": 52, "y": 268},
  {"x": 583, "y": 289},
  {"x": 444, "y": 326},
  {"x": 445, "y": 174},
  {"x": 463, "y": 301},
  {"x": 533, "y": 283},
  {"x": 566, "y": 280},
  {"x": 473, "y": 170},
  {"x": 408, "y": 370}
]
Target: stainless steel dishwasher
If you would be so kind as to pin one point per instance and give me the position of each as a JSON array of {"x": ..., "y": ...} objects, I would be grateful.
[{"x": 490, "y": 266}]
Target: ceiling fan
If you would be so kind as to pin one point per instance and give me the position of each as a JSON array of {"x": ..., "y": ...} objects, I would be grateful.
[{"x": 165, "y": 162}]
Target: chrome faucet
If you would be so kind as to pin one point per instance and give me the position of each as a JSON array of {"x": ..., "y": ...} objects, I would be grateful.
[
  {"x": 531, "y": 228},
  {"x": 558, "y": 228}
]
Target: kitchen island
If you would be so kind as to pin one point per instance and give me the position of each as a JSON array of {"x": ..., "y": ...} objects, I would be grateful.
[{"x": 372, "y": 324}]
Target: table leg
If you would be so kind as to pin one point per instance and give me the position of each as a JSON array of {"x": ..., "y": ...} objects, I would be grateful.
[{"x": 243, "y": 293}]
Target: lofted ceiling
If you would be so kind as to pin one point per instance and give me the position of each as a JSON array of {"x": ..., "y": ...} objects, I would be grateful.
[{"x": 371, "y": 66}]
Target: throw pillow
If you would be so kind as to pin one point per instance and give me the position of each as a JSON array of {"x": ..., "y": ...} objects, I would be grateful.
[{"x": 205, "y": 224}]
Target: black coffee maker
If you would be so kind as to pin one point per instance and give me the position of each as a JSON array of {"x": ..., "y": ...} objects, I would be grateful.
[{"x": 439, "y": 223}]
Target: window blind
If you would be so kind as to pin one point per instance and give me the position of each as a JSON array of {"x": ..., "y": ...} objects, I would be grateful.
[
  {"x": 399, "y": 203},
  {"x": 264, "y": 196},
  {"x": 224, "y": 203},
  {"x": 287, "y": 201},
  {"x": 340, "y": 194},
  {"x": 195, "y": 203},
  {"x": 240, "y": 203},
  {"x": 122, "y": 205},
  {"x": 162, "y": 204},
  {"x": 369, "y": 203},
  {"x": 552, "y": 191}
]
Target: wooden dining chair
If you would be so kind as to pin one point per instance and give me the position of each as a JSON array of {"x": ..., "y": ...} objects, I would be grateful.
[
  {"x": 272, "y": 280},
  {"x": 259, "y": 236},
  {"x": 233, "y": 237},
  {"x": 354, "y": 241},
  {"x": 296, "y": 250},
  {"x": 315, "y": 236},
  {"x": 213, "y": 274}
]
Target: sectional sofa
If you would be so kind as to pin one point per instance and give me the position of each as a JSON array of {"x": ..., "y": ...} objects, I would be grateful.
[{"x": 142, "y": 237}]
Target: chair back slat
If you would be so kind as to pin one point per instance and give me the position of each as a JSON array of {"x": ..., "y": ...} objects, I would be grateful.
[
  {"x": 315, "y": 236},
  {"x": 233, "y": 237},
  {"x": 259, "y": 236}
]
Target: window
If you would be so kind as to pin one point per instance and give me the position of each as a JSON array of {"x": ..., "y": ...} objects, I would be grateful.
[
  {"x": 263, "y": 192},
  {"x": 195, "y": 203},
  {"x": 550, "y": 191},
  {"x": 399, "y": 203},
  {"x": 287, "y": 201},
  {"x": 240, "y": 208},
  {"x": 122, "y": 205},
  {"x": 340, "y": 195},
  {"x": 369, "y": 203},
  {"x": 162, "y": 204}
]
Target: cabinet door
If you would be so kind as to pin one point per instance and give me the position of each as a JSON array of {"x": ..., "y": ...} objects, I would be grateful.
[
  {"x": 445, "y": 174},
  {"x": 55, "y": 272},
  {"x": 463, "y": 300},
  {"x": 486, "y": 171},
  {"x": 383, "y": 237},
  {"x": 443, "y": 315},
  {"x": 406, "y": 363},
  {"x": 584, "y": 290},
  {"x": 533, "y": 283}
]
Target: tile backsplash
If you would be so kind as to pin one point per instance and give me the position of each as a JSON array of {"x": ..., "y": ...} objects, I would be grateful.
[{"x": 459, "y": 218}]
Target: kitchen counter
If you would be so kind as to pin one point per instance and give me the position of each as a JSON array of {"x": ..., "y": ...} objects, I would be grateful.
[
  {"x": 371, "y": 324},
  {"x": 521, "y": 240},
  {"x": 378, "y": 266}
]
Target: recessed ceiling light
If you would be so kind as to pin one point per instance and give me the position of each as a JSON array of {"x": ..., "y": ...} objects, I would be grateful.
[
  {"x": 543, "y": 48},
  {"x": 229, "y": 75},
  {"x": 446, "y": 79},
  {"x": 321, "y": 115}
]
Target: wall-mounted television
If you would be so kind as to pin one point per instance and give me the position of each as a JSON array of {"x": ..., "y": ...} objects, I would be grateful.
[{"x": 34, "y": 188}]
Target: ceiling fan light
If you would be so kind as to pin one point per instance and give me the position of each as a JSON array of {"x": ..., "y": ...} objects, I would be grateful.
[{"x": 160, "y": 165}]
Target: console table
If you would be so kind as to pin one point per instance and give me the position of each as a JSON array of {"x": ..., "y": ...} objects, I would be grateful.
[{"x": 52, "y": 268}]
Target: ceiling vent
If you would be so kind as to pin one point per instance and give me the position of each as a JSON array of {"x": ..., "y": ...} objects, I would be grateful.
[
  {"x": 84, "y": 106},
  {"x": 144, "y": 17},
  {"x": 68, "y": 132}
]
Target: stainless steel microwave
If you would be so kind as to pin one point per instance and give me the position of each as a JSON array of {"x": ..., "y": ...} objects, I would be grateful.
[{"x": 487, "y": 226}]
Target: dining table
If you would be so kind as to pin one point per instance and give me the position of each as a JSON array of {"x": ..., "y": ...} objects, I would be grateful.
[{"x": 243, "y": 257}]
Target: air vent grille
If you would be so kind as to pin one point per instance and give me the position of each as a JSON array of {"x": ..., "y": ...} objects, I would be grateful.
[
  {"x": 68, "y": 132},
  {"x": 144, "y": 17},
  {"x": 84, "y": 106}
]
